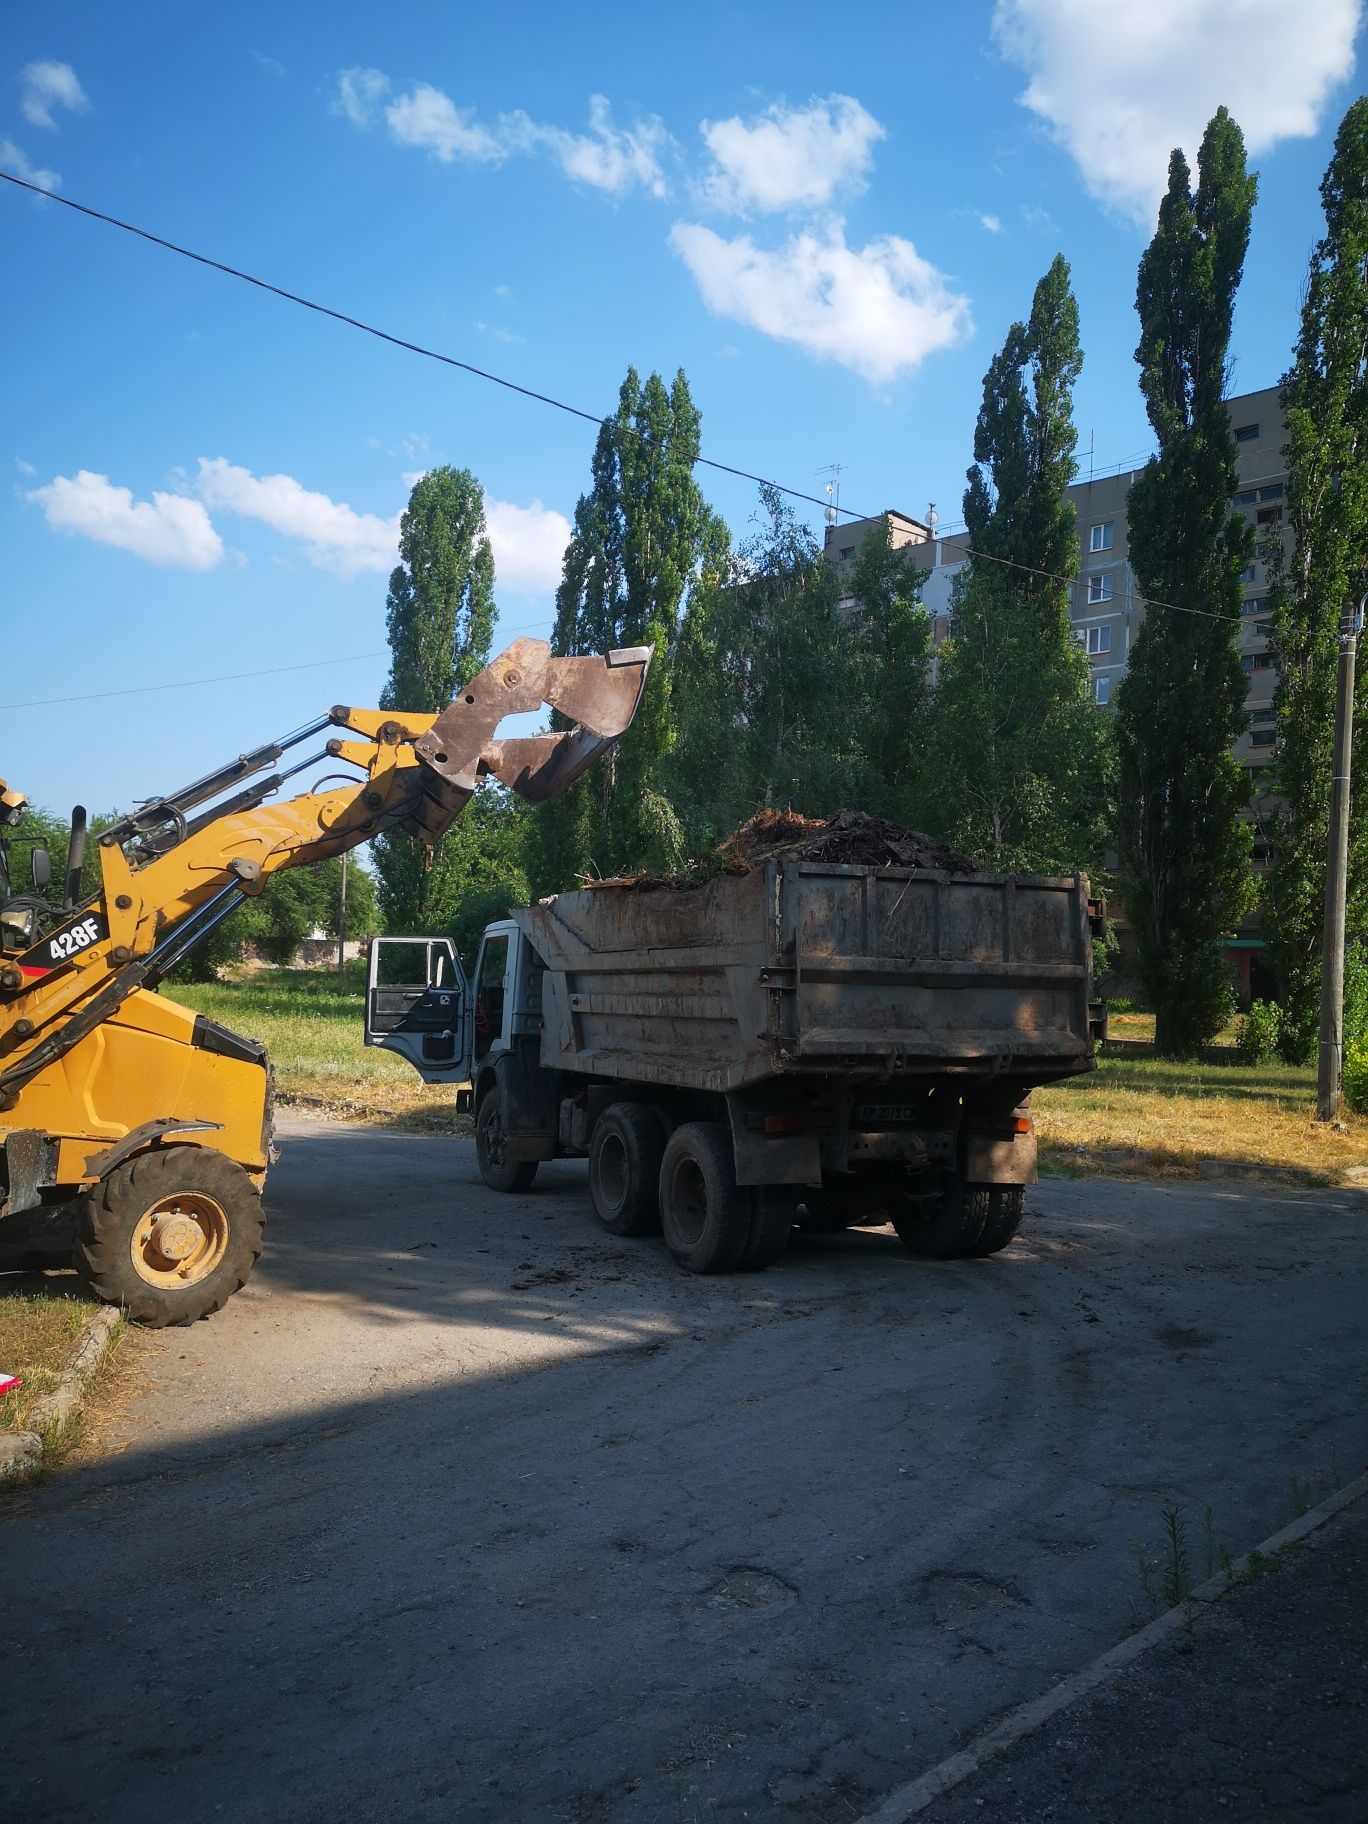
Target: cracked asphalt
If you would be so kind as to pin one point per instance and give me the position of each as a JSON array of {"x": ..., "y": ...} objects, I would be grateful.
[{"x": 465, "y": 1510}]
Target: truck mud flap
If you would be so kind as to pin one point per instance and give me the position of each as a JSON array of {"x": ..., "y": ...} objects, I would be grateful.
[{"x": 527, "y": 1098}]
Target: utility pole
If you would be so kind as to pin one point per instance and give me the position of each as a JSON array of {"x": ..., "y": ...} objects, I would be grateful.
[
  {"x": 342, "y": 922},
  {"x": 1330, "y": 1065}
]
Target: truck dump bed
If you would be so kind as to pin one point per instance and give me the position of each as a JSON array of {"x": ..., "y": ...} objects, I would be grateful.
[{"x": 801, "y": 966}]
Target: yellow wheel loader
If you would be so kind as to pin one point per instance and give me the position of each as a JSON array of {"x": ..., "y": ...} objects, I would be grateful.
[{"x": 142, "y": 1131}]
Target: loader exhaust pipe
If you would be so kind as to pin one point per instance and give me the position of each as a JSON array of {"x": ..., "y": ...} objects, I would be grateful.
[{"x": 76, "y": 849}]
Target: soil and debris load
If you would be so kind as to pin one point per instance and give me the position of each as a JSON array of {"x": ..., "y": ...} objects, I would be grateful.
[
  {"x": 849, "y": 838},
  {"x": 852, "y": 838}
]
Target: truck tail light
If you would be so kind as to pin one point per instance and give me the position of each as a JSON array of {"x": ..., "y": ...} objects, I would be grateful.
[{"x": 787, "y": 1124}]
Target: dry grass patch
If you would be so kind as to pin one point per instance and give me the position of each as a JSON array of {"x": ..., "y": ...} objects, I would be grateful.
[
  {"x": 38, "y": 1333},
  {"x": 1147, "y": 1117}
]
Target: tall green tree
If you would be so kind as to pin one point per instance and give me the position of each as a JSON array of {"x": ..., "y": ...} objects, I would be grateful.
[
  {"x": 638, "y": 536},
  {"x": 1315, "y": 575},
  {"x": 440, "y": 619},
  {"x": 889, "y": 631},
  {"x": 1023, "y": 753},
  {"x": 764, "y": 684},
  {"x": 1185, "y": 847}
]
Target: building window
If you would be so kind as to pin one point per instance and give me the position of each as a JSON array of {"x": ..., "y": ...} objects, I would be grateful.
[
  {"x": 1274, "y": 492},
  {"x": 1261, "y": 661},
  {"x": 1252, "y": 605},
  {"x": 1102, "y": 690},
  {"x": 1268, "y": 516},
  {"x": 1094, "y": 640},
  {"x": 1262, "y": 737},
  {"x": 1247, "y": 574},
  {"x": 1100, "y": 588},
  {"x": 1103, "y": 537},
  {"x": 1246, "y": 433},
  {"x": 847, "y": 550},
  {"x": 1247, "y": 497}
]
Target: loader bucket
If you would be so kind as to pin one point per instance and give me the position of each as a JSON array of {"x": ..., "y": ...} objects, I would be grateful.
[{"x": 600, "y": 692}]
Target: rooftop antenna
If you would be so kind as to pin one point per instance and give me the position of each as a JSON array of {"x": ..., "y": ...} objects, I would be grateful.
[{"x": 833, "y": 490}]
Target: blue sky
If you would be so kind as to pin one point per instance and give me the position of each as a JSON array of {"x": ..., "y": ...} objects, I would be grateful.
[{"x": 827, "y": 219}]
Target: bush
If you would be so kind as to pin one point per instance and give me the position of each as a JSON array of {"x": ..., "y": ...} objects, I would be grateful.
[
  {"x": 1257, "y": 1037},
  {"x": 1356, "y": 1076}
]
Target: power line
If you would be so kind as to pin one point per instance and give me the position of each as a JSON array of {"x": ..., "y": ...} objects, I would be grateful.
[
  {"x": 384, "y": 335},
  {"x": 513, "y": 386},
  {"x": 227, "y": 677}
]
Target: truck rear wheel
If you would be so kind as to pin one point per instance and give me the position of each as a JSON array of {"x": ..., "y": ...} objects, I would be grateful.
[
  {"x": 499, "y": 1172},
  {"x": 705, "y": 1215},
  {"x": 969, "y": 1221},
  {"x": 624, "y": 1169},
  {"x": 169, "y": 1235},
  {"x": 773, "y": 1209}
]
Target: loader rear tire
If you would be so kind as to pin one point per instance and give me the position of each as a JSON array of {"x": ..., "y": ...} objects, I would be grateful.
[
  {"x": 624, "y": 1169},
  {"x": 705, "y": 1215},
  {"x": 499, "y": 1172},
  {"x": 969, "y": 1222},
  {"x": 169, "y": 1235}
]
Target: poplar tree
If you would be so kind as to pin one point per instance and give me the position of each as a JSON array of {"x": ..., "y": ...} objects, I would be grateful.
[
  {"x": 766, "y": 684},
  {"x": 1325, "y": 398},
  {"x": 637, "y": 538},
  {"x": 1023, "y": 774},
  {"x": 891, "y": 685},
  {"x": 440, "y": 617},
  {"x": 1185, "y": 847}
]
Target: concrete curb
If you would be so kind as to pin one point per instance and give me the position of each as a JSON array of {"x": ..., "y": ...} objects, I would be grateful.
[
  {"x": 21, "y": 1452},
  {"x": 906, "y": 1801}
]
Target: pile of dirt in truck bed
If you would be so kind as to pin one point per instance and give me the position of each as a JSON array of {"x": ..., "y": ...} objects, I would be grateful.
[{"x": 851, "y": 837}]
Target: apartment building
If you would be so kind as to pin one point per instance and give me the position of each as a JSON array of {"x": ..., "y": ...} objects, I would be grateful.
[{"x": 1105, "y": 608}]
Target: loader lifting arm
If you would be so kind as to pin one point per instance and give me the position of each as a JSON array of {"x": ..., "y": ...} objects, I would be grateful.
[{"x": 175, "y": 868}]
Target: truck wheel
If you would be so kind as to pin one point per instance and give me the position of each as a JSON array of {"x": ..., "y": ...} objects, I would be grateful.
[
  {"x": 705, "y": 1215},
  {"x": 499, "y": 1172},
  {"x": 624, "y": 1169},
  {"x": 169, "y": 1235},
  {"x": 773, "y": 1209},
  {"x": 969, "y": 1221}
]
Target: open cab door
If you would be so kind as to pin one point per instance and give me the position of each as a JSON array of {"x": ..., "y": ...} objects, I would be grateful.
[{"x": 416, "y": 1005}]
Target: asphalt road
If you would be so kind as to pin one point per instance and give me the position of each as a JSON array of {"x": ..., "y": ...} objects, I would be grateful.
[{"x": 464, "y": 1510}]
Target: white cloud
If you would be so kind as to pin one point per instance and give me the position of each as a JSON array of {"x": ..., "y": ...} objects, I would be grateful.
[
  {"x": 334, "y": 537},
  {"x": 788, "y": 158},
  {"x": 12, "y": 159},
  {"x": 426, "y": 117},
  {"x": 991, "y": 223},
  {"x": 168, "y": 529},
  {"x": 528, "y": 543},
  {"x": 46, "y": 86},
  {"x": 879, "y": 309},
  {"x": 359, "y": 94},
  {"x": 1120, "y": 86},
  {"x": 615, "y": 159}
]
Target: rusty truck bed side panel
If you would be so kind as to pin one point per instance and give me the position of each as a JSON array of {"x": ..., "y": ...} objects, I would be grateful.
[{"x": 811, "y": 967}]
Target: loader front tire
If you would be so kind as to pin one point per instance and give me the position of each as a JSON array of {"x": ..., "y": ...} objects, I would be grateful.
[{"x": 170, "y": 1235}]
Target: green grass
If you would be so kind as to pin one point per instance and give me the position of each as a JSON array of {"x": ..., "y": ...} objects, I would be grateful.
[{"x": 311, "y": 1023}]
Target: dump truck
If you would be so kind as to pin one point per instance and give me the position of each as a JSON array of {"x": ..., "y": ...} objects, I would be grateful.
[
  {"x": 803, "y": 1041},
  {"x": 135, "y": 1134}
]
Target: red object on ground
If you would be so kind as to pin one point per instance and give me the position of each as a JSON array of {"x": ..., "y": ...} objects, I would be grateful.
[{"x": 8, "y": 1382}]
